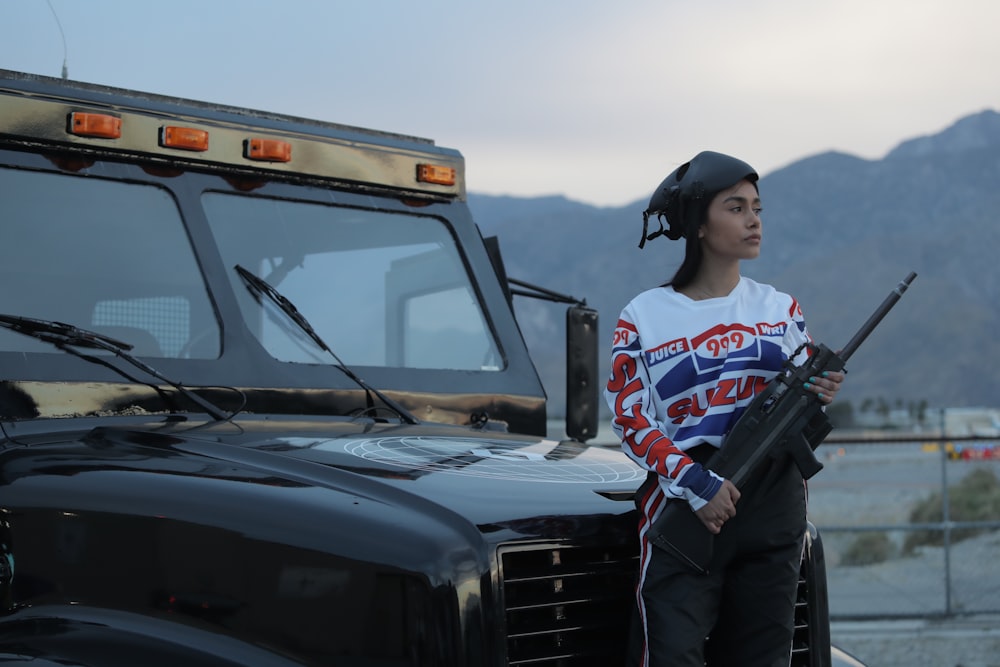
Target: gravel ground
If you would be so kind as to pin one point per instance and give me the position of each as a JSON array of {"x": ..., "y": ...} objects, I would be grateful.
[{"x": 961, "y": 642}]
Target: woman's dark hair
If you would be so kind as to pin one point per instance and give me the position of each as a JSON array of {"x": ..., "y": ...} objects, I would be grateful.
[{"x": 689, "y": 267}]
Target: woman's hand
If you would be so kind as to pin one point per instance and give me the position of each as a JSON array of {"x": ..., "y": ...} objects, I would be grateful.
[
  {"x": 720, "y": 508},
  {"x": 826, "y": 386}
]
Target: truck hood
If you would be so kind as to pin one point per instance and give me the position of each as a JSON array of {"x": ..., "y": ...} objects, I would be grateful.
[
  {"x": 495, "y": 481},
  {"x": 510, "y": 485}
]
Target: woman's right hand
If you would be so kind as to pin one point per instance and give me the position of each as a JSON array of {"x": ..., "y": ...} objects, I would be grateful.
[{"x": 720, "y": 508}]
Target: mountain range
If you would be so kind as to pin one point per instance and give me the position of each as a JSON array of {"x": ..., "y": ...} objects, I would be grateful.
[{"x": 840, "y": 232}]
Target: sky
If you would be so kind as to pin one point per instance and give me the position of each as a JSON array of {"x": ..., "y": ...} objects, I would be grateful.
[{"x": 593, "y": 100}]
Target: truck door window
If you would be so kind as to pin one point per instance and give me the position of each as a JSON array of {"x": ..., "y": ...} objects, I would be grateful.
[
  {"x": 380, "y": 288},
  {"x": 117, "y": 260}
]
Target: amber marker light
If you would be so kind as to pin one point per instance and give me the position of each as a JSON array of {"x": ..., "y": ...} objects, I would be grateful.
[
  {"x": 435, "y": 173},
  {"x": 184, "y": 138},
  {"x": 102, "y": 125},
  {"x": 269, "y": 150}
]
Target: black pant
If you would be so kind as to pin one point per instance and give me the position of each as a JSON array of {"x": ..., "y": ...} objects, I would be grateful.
[{"x": 745, "y": 606}]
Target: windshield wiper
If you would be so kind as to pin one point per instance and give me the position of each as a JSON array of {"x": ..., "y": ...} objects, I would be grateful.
[
  {"x": 260, "y": 287},
  {"x": 66, "y": 336}
]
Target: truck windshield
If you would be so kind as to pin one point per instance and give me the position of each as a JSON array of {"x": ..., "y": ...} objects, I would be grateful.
[
  {"x": 117, "y": 260},
  {"x": 380, "y": 288}
]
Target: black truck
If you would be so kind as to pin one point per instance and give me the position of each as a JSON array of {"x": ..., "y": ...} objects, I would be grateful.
[{"x": 264, "y": 401}]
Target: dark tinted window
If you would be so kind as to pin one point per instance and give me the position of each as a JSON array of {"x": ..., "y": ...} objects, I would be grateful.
[
  {"x": 102, "y": 255},
  {"x": 380, "y": 288}
]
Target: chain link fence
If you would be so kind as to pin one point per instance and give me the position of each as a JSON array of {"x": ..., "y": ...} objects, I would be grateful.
[{"x": 910, "y": 527}]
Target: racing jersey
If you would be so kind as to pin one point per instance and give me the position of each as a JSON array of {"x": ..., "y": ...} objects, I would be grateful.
[{"x": 683, "y": 371}]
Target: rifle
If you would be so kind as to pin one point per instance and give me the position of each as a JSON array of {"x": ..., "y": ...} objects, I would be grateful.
[{"x": 783, "y": 420}]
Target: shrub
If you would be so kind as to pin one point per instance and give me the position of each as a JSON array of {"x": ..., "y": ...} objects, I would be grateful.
[
  {"x": 867, "y": 549},
  {"x": 975, "y": 498}
]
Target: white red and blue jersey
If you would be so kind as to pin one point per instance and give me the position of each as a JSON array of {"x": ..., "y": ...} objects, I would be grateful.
[{"x": 683, "y": 371}]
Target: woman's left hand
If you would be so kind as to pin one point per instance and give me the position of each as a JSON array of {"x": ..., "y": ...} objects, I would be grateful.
[{"x": 826, "y": 385}]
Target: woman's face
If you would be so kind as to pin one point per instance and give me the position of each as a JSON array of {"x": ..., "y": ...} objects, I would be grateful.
[{"x": 733, "y": 227}]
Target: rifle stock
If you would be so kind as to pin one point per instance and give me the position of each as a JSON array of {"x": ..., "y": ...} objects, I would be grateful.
[{"x": 783, "y": 420}]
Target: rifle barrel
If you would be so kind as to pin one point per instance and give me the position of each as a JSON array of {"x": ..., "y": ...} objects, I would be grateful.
[{"x": 876, "y": 317}]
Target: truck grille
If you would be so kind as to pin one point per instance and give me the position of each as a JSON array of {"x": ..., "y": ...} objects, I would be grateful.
[
  {"x": 811, "y": 641},
  {"x": 800, "y": 640},
  {"x": 568, "y": 606}
]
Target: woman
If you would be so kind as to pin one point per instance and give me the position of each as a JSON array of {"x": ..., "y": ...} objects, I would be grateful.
[{"x": 688, "y": 357}]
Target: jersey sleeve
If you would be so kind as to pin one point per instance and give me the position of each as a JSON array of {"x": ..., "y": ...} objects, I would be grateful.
[
  {"x": 797, "y": 334},
  {"x": 629, "y": 394}
]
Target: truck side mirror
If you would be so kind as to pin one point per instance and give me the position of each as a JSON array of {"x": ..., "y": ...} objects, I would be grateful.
[{"x": 581, "y": 372}]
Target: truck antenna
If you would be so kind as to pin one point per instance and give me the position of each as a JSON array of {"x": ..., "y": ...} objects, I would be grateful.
[{"x": 65, "y": 66}]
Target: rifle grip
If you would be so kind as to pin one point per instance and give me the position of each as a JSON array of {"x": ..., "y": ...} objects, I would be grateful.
[{"x": 801, "y": 452}]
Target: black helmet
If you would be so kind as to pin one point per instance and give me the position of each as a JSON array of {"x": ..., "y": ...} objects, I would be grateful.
[{"x": 684, "y": 195}]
